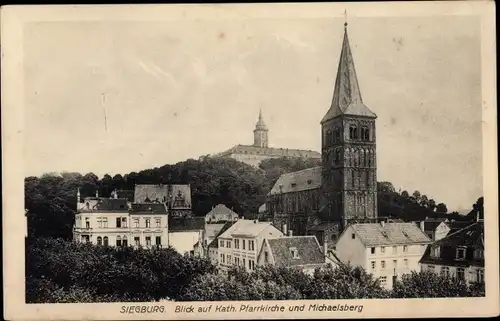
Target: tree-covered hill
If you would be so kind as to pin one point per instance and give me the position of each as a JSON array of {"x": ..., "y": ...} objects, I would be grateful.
[{"x": 51, "y": 198}]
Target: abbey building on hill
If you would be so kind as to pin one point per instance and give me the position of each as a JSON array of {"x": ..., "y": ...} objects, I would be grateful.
[
  {"x": 260, "y": 150},
  {"x": 322, "y": 201}
]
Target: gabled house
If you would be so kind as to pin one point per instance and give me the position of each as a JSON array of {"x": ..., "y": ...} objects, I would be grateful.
[
  {"x": 386, "y": 250},
  {"x": 459, "y": 254},
  {"x": 213, "y": 246},
  {"x": 239, "y": 244},
  {"x": 302, "y": 252}
]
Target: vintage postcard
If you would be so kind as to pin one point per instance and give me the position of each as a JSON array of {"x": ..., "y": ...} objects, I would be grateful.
[{"x": 248, "y": 161}]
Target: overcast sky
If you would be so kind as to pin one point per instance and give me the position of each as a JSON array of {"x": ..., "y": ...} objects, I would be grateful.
[{"x": 178, "y": 90}]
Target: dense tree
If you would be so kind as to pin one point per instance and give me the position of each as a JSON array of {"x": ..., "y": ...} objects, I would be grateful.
[
  {"x": 441, "y": 208},
  {"x": 426, "y": 284}
]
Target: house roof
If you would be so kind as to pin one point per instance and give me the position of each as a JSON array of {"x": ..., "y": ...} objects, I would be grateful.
[
  {"x": 431, "y": 225},
  {"x": 180, "y": 195},
  {"x": 456, "y": 226},
  {"x": 298, "y": 181},
  {"x": 375, "y": 234},
  {"x": 471, "y": 236},
  {"x": 347, "y": 98},
  {"x": 144, "y": 208},
  {"x": 185, "y": 224},
  {"x": 249, "y": 228},
  {"x": 215, "y": 243},
  {"x": 269, "y": 151},
  {"x": 212, "y": 229},
  {"x": 107, "y": 205},
  {"x": 308, "y": 250},
  {"x": 220, "y": 213}
]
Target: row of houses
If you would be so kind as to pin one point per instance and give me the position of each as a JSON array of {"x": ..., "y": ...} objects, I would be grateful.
[{"x": 387, "y": 250}]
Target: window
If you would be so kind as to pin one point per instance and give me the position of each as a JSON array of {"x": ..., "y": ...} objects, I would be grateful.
[
  {"x": 405, "y": 248},
  {"x": 124, "y": 241},
  {"x": 431, "y": 268},
  {"x": 480, "y": 276},
  {"x": 373, "y": 265},
  {"x": 148, "y": 240},
  {"x": 382, "y": 249},
  {"x": 236, "y": 244},
  {"x": 228, "y": 259},
  {"x": 395, "y": 264},
  {"x": 353, "y": 132},
  {"x": 294, "y": 252},
  {"x": 99, "y": 240},
  {"x": 137, "y": 241},
  {"x": 244, "y": 262},
  {"x": 105, "y": 222},
  {"x": 136, "y": 222},
  {"x": 221, "y": 243},
  {"x": 228, "y": 244},
  {"x": 222, "y": 258},
  {"x": 394, "y": 249},
  {"x": 99, "y": 222},
  {"x": 243, "y": 243},
  {"x": 158, "y": 240},
  {"x": 266, "y": 257},
  {"x": 87, "y": 222},
  {"x": 435, "y": 251},
  {"x": 118, "y": 222},
  {"x": 118, "y": 241},
  {"x": 406, "y": 263},
  {"x": 383, "y": 280},
  {"x": 251, "y": 245},
  {"x": 460, "y": 253},
  {"x": 337, "y": 135},
  {"x": 158, "y": 222},
  {"x": 106, "y": 241},
  {"x": 382, "y": 265},
  {"x": 148, "y": 222},
  {"x": 478, "y": 254},
  {"x": 251, "y": 265},
  {"x": 124, "y": 222},
  {"x": 373, "y": 250},
  {"x": 337, "y": 156},
  {"x": 353, "y": 236},
  {"x": 461, "y": 274},
  {"x": 445, "y": 271},
  {"x": 365, "y": 133}
]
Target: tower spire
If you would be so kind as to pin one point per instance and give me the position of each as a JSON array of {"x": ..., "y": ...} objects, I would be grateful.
[
  {"x": 347, "y": 95},
  {"x": 260, "y": 138}
]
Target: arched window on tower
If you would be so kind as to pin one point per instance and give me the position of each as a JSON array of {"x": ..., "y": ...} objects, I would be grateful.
[
  {"x": 329, "y": 138},
  {"x": 353, "y": 132},
  {"x": 365, "y": 133},
  {"x": 353, "y": 178},
  {"x": 337, "y": 135},
  {"x": 369, "y": 156},
  {"x": 337, "y": 156}
]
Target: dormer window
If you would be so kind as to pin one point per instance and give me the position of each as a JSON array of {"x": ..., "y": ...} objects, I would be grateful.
[
  {"x": 435, "y": 251},
  {"x": 479, "y": 254},
  {"x": 294, "y": 252},
  {"x": 460, "y": 254},
  {"x": 309, "y": 181},
  {"x": 294, "y": 184}
]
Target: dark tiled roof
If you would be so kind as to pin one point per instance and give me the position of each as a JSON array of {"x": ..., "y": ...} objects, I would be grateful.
[
  {"x": 269, "y": 151},
  {"x": 215, "y": 242},
  {"x": 374, "y": 234},
  {"x": 178, "y": 224},
  {"x": 470, "y": 237},
  {"x": 298, "y": 181},
  {"x": 323, "y": 226},
  {"x": 456, "y": 226},
  {"x": 108, "y": 205},
  {"x": 154, "y": 208},
  {"x": 308, "y": 249},
  {"x": 220, "y": 213},
  {"x": 431, "y": 225}
]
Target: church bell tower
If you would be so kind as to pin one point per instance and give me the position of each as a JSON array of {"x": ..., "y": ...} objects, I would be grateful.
[{"x": 349, "y": 168}]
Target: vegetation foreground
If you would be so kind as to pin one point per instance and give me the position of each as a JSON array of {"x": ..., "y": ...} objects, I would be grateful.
[{"x": 60, "y": 271}]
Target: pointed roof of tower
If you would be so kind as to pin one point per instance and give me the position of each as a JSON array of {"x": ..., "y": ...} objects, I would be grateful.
[
  {"x": 260, "y": 123},
  {"x": 346, "y": 95}
]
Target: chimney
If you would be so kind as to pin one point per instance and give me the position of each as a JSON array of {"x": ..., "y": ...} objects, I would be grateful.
[
  {"x": 290, "y": 233},
  {"x": 325, "y": 247},
  {"x": 284, "y": 229},
  {"x": 422, "y": 226}
]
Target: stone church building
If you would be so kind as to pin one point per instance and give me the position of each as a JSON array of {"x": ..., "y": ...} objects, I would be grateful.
[
  {"x": 260, "y": 150},
  {"x": 321, "y": 201}
]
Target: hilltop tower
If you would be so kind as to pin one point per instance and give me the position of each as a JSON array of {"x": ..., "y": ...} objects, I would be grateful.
[
  {"x": 349, "y": 168},
  {"x": 260, "y": 133}
]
